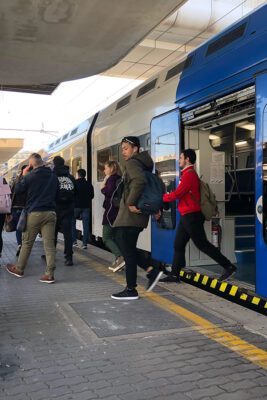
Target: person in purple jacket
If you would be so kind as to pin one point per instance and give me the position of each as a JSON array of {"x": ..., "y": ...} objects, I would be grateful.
[{"x": 112, "y": 179}]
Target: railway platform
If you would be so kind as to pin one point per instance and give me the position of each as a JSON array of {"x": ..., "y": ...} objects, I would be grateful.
[{"x": 70, "y": 340}]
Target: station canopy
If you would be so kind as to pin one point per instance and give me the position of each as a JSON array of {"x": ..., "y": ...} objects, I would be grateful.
[
  {"x": 45, "y": 42},
  {"x": 9, "y": 147}
]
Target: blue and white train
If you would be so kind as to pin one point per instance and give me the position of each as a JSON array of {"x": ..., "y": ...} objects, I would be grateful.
[{"x": 215, "y": 101}]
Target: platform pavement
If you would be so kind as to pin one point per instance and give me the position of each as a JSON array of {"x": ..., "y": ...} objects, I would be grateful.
[{"x": 55, "y": 347}]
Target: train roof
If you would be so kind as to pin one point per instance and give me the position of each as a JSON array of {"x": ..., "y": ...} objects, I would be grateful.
[
  {"x": 225, "y": 62},
  {"x": 144, "y": 89},
  {"x": 232, "y": 56},
  {"x": 70, "y": 136},
  {"x": 218, "y": 58}
]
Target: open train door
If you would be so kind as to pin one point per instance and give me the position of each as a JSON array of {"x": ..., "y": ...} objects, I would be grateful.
[
  {"x": 165, "y": 148},
  {"x": 261, "y": 184}
]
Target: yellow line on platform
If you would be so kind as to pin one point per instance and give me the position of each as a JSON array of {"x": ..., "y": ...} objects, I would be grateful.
[
  {"x": 248, "y": 351},
  {"x": 212, "y": 331}
]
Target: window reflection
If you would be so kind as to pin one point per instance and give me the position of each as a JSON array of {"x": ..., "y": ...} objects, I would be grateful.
[{"x": 165, "y": 164}]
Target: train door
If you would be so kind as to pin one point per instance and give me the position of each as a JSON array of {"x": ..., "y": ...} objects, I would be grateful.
[
  {"x": 261, "y": 184},
  {"x": 165, "y": 146}
]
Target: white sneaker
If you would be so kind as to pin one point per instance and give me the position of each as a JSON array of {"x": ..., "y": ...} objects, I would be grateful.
[{"x": 118, "y": 264}]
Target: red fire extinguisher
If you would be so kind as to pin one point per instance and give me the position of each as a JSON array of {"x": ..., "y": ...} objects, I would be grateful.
[{"x": 216, "y": 232}]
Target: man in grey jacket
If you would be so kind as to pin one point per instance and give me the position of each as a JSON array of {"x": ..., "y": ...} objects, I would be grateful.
[{"x": 130, "y": 222}]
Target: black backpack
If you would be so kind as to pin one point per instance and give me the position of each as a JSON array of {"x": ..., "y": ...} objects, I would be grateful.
[
  {"x": 66, "y": 190},
  {"x": 151, "y": 199}
]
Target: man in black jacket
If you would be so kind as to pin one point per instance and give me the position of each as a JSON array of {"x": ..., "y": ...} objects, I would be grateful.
[
  {"x": 84, "y": 195},
  {"x": 65, "y": 205},
  {"x": 41, "y": 187}
]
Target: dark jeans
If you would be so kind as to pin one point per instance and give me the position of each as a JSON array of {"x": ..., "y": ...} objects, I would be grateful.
[
  {"x": 82, "y": 213},
  {"x": 2, "y": 221},
  {"x": 64, "y": 225},
  {"x": 191, "y": 226},
  {"x": 127, "y": 237},
  {"x": 16, "y": 214}
]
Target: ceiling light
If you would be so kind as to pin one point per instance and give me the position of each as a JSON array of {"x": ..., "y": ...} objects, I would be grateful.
[
  {"x": 213, "y": 137},
  {"x": 241, "y": 143}
]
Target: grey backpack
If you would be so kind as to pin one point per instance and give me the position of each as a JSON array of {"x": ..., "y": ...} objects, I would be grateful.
[{"x": 208, "y": 203}]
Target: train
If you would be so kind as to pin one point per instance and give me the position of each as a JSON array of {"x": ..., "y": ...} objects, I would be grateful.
[{"x": 214, "y": 101}]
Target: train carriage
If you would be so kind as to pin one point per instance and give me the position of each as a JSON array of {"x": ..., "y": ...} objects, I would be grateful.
[{"x": 219, "y": 110}]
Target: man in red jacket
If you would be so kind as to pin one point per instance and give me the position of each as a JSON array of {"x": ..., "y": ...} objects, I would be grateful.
[{"x": 191, "y": 225}]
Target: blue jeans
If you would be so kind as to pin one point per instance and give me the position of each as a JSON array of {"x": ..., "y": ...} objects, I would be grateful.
[{"x": 82, "y": 213}]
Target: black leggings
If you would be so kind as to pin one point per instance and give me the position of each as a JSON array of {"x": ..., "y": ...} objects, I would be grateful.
[
  {"x": 191, "y": 226},
  {"x": 2, "y": 221}
]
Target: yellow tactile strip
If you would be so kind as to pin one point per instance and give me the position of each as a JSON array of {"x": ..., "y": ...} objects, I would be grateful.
[
  {"x": 248, "y": 351},
  {"x": 227, "y": 290}
]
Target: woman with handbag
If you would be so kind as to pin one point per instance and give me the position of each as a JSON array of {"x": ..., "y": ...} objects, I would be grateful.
[
  {"x": 112, "y": 178},
  {"x": 18, "y": 204}
]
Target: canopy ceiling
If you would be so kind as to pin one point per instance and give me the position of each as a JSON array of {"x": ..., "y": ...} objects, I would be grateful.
[
  {"x": 49, "y": 41},
  {"x": 9, "y": 147}
]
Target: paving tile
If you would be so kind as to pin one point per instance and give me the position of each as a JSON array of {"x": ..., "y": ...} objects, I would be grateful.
[{"x": 45, "y": 355}]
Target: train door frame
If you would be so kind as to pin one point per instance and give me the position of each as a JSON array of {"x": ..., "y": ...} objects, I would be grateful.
[
  {"x": 261, "y": 139},
  {"x": 89, "y": 168},
  {"x": 162, "y": 238}
]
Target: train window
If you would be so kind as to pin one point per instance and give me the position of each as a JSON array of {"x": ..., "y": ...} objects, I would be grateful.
[
  {"x": 65, "y": 136},
  {"x": 145, "y": 142},
  {"x": 84, "y": 126},
  {"x": 179, "y": 68},
  {"x": 110, "y": 153},
  {"x": 146, "y": 88},
  {"x": 57, "y": 141},
  {"x": 226, "y": 39},
  {"x": 165, "y": 164},
  {"x": 73, "y": 132},
  {"x": 75, "y": 165},
  {"x": 123, "y": 102}
]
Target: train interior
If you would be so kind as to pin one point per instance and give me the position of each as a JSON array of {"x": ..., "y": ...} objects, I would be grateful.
[{"x": 225, "y": 159}]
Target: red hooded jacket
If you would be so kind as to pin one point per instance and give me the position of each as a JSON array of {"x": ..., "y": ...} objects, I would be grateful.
[{"x": 189, "y": 182}]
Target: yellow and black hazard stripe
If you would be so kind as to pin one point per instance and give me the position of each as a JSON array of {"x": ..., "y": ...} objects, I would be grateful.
[{"x": 226, "y": 290}]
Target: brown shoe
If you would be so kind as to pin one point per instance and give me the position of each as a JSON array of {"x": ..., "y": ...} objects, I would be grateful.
[
  {"x": 47, "y": 279},
  {"x": 12, "y": 269}
]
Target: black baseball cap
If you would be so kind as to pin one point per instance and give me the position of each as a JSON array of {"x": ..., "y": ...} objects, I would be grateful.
[{"x": 133, "y": 140}]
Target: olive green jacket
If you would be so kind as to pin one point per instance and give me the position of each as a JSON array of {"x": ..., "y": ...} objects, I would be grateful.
[{"x": 134, "y": 182}]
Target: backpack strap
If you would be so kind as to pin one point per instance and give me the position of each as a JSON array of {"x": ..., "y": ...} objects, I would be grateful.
[{"x": 191, "y": 194}]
